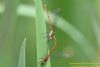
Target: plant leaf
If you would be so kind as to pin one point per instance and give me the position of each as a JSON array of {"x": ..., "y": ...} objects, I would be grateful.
[
  {"x": 42, "y": 50},
  {"x": 21, "y": 61}
]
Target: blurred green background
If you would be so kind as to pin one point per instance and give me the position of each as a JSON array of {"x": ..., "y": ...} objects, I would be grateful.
[{"x": 17, "y": 21}]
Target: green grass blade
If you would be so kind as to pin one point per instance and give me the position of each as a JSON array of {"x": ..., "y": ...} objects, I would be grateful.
[
  {"x": 40, "y": 28},
  {"x": 21, "y": 61},
  {"x": 8, "y": 33}
]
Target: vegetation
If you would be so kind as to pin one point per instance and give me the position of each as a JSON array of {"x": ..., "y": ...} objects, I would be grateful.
[{"x": 23, "y": 40}]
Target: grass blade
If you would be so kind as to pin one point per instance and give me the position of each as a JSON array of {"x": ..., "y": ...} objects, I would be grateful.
[
  {"x": 21, "y": 61},
  {"x": 40, "y": 28}
]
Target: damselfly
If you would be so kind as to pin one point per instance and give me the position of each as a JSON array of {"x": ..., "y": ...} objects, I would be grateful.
[{"x": 51, "y": 36}]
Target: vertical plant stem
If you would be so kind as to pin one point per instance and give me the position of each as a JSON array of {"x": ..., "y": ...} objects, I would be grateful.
[{"x": 40, "y": 29}]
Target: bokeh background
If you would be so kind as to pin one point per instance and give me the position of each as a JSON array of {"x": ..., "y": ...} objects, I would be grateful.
[{"x": 17, "y": 21}]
